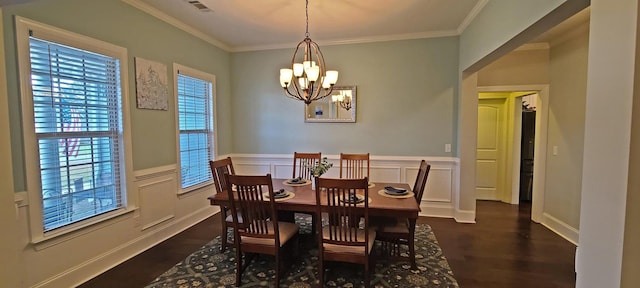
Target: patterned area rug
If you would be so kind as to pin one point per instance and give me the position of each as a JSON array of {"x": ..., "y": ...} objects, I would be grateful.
[{"x": 208, "y": 267}]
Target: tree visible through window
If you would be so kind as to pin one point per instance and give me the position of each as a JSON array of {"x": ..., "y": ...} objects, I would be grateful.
[
  {"x": 77, "y": 117},
  {"x": 195, "y": 122}
]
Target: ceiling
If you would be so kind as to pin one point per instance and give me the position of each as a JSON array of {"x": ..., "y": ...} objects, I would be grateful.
[
  {"x": 242, "y": 25},
  {"x": 245, "y": 25}
]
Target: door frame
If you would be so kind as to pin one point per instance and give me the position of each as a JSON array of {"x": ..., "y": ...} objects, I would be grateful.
[{"x": 540, "y": 145}]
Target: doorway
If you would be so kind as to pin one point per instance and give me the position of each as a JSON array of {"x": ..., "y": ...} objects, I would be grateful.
[
  {"x": 527, "y": 148},
  {"x": 516, "y": 157}
]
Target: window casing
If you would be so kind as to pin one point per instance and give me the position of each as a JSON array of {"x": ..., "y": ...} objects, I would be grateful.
[
  {"x": 195, "y": 116},
  {"x": 73, "y": 114}
]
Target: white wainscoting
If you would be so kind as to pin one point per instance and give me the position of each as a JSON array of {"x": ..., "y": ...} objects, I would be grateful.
[
  {"x": 439, "y": 195},
  {"x": 156, "y": 191}
]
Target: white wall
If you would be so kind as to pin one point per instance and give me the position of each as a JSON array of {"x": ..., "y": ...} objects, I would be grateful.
[
  {"x": 612, "y": 50},
  {"x": 11, "y": 264},
  {"x": 631, "y": 252}
]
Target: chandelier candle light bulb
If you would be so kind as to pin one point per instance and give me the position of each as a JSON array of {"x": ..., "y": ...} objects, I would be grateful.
[{"x": 313, "y": 81}]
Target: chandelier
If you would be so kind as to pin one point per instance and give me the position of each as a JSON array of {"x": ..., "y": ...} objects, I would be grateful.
[
  {"x": 344, "y": 99},
  {"x": 312, "y": 81}
]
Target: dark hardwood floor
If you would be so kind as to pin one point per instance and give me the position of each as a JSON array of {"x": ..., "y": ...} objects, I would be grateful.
[{"x": 503, "y": 249}]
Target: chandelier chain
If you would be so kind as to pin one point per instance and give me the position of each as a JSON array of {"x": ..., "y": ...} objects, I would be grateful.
[{"x": 306, "y": 11}]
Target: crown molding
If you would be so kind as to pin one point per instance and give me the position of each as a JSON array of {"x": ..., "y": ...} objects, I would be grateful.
[
  {"x": 395, "y": 37},
  {"x": 472, "y": 15},
  {"x": 177, "y": 23},
  {"x": 383, "y": 38}
]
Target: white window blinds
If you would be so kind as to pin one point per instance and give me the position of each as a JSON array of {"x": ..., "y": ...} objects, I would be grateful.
[
  {"x": 195, "y": 122},
  {"x": 77, "y": 116}
]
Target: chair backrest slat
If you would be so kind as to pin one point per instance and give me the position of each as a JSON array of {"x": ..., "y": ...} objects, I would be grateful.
[
  {"x": 343, "y": 215},
  {"x": 254, "y": 200},
  {"x": 301, "y": 162},
  {"x": 354, "y": 166},
  {"x": 421, "y": 180},
  {"x": 218, "y": 169}
]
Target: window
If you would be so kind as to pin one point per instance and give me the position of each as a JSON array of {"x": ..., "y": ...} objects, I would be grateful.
[
  {"x": 195, "y": 124},
  {"x": 73, "y": 112}
]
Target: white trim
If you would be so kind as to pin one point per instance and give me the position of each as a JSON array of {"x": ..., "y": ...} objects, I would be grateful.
[
  {"x": 21, "y": 199},
  {"x": 32, "y": 161},
  {"x": 154, "y": 172},
  {"x": 472, "y": 15},
  {"x": 371, "y": 39},
  {"x": 465, "y": 216},
  {"x": 565, "y": 230},
  {"x": 382, "y": 38},
  {"x": 204, "y": 76},
  {"x": 430, "y": 159}
]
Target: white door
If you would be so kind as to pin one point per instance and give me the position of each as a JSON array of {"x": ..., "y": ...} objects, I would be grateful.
[{"x": 491, "y": 144}]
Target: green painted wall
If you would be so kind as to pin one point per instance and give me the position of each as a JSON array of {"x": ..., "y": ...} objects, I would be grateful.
[
  {"x": 113, "y": 21},
  {"x": 566, "y": 127},
  {"x": 485, "y": 34},
  {"x": 405, "y": 100}
]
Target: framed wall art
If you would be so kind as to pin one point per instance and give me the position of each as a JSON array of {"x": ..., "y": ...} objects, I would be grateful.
[{"x": 152, "y": 88}]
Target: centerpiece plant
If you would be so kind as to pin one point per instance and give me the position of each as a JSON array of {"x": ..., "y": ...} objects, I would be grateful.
[{"x": 320, "y": 167}]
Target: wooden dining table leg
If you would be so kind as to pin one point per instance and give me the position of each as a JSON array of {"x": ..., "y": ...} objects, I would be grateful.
[{"x": 411, "y": 244}]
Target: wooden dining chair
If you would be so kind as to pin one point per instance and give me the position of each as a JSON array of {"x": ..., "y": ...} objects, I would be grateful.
[
  {"x": 301, "y": 162},
  {"x": 218, "y": 169},
  {"x": 259, "y": 231},
  {"x": 354, "y": 166},
  {"x": 394, "y": 232},
  {"x": 340, "y": 240}
]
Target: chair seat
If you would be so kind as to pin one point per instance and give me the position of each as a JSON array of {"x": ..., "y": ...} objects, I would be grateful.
[
  {"x": 398, "y": 226},
  {"x": 287, "y": 231},
  {"x": 343, "y": 249},
  {"x": 229, "y": 218}
]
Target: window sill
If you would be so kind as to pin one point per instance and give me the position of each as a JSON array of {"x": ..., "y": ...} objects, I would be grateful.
[
  {"x": 61, "y": 235},
  {"x": 195, "y": 188}
]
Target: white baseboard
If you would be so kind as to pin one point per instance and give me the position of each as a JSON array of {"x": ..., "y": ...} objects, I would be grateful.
[
  {"x": 434, "y": 209},
  {"x": 560, "y": 228},
  {"x": 465, "y": 216},
  {"x": 95, "y": 266}
]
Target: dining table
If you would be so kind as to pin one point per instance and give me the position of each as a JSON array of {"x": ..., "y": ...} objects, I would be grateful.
[{"x": 303, "y": 199}]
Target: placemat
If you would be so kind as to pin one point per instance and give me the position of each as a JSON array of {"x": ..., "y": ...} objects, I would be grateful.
[{"x": 383, "y": 193}]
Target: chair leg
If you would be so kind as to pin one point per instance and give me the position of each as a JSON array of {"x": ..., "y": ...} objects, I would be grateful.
[
  {"x": 223, "y": 236},
  {"x": 321, "y": 273},
  {"x": 277, "y": 280},
  {"x": 238, "y": 267},
  {"x": 366, "y": 273},
  {"x": 411, "y": 243}
]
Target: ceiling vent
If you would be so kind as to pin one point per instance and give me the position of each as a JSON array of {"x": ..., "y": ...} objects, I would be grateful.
[{"x": 199, "y": 6}]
